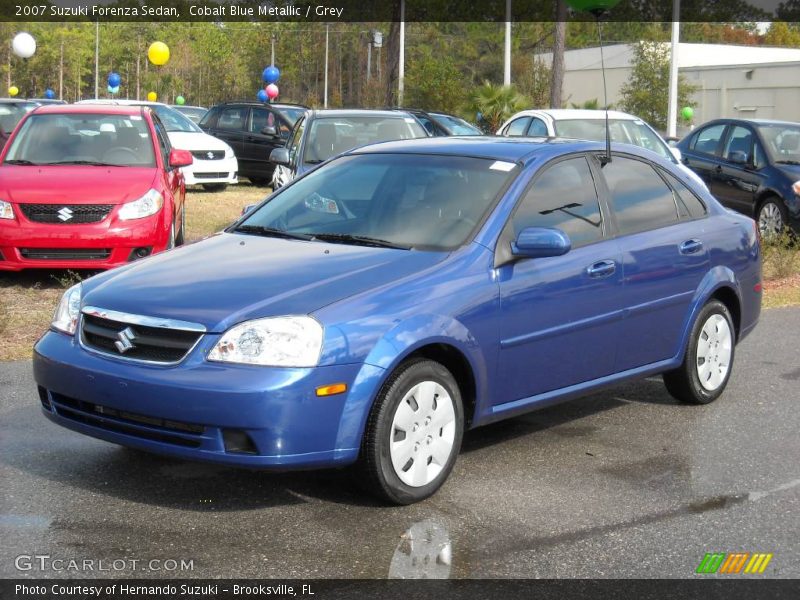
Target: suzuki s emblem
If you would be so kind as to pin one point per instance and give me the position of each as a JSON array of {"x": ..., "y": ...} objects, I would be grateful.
[
  {"x": 125, "y": 340},
  {"x": 210, "y": 155},
  {"x": 65, "y": 214}
]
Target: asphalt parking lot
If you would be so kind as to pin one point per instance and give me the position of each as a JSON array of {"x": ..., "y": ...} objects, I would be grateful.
[{"x": 626, "y": 483}]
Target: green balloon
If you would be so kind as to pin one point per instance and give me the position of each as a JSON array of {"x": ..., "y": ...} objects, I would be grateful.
[
  {"x": 180, "y": 100},
  {"x": 592, "y": 5},
  {"x": 687, "y": 112}
]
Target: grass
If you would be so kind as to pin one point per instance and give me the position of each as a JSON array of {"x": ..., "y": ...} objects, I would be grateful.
[{"x": 28, "y": 299}]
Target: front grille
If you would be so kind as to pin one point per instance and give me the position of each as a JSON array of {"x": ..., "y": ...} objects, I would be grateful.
[
  {"x": 66, "y": 214},
  {"x": 138, "y": 342},
  {"x": 120, "y": 421},
  {"x": 209, "y": 154},
  {"x": 65, "y": 253},
  {"x": 210, "y": 175}
]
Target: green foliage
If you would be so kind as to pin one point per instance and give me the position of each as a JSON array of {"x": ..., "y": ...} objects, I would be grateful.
[
  {"x": 781, "y": 256},
  {"x": 646, "y": 92},
  {"x": 496, "y": 103},
  {"x": 435, "y": 83}
]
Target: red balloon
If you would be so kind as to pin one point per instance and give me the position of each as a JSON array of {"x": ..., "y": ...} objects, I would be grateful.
[{"x": 272, "y": 91}]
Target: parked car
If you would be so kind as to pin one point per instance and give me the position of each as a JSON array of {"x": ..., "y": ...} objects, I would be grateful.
[
  {"x": 752, "y": 166},
  {"x": 42, "y": 101},
  {"x": 441, "y": 124},
  {"x": 91, "y": 187},
  {"x": 194, "y": 113},
  {"x": 215, "y": 165},
  {"x": 373, "y": 309},
  {"x": 253, "y": 130},
  {"x": 581, "y": 124},
  {"x": 11, "y": 111},
  {"x": 321, "y": 134}
]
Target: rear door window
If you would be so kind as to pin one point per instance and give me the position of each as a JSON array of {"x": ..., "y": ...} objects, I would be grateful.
[
  {"x": 707, "y": 140},
  {"x": 232, "y": 118},
  {"x": 517, "y": 127}
]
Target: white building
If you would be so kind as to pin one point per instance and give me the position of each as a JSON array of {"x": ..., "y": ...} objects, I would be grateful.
[{"x": 731, "y": 81}]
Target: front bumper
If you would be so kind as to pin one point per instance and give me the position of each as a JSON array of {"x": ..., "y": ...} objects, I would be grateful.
[
  {"x": 103, "y": 245},
  {"x": 194, "y": 409},
  {"x": 224, "y": 170}
]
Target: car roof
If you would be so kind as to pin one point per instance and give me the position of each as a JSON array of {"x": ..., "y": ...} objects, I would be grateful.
[
  {"x": 179, "y": 106},
  {"x": 15, "y": 101},
  {"x": 518, "y": 150},
  {"x": 103, "y": 109},
  {"x": 257, "y": 103},
  {"x": 558, "y": 114},
  {"x": 751, "y": 121},
  {"x": 120, "y": 102},
  {"x": 353, "y": 112}
]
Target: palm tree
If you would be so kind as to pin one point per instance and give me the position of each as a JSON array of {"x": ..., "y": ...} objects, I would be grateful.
[{"x": 495, "y": 104}]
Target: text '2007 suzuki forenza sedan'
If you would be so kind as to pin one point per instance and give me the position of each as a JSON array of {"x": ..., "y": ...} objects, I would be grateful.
[{"x": 375, "y": 308}]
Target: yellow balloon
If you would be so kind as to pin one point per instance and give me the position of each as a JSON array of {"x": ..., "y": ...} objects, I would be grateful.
[
  {"x": 152, "y": 96},
  {"x": 13, "y": 91},
  {"x": 158, "y": 53}
]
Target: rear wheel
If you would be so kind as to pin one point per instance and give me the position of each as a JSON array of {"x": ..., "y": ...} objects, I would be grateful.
[
  {"x": 259, "y": 181},
  {"x": 413, "y": 434},
  {"x": 708, "y": 359},
  {"x": 215, "y": 187},
  {"x": 772, "y": 217}
]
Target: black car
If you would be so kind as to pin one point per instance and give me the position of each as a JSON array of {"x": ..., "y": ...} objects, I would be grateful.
[
  {"x": 750, "y": 165},
  {"x": 440, "y": 124},
  {"x": 320, "y": 134},
  {"x": 253, "y": 130}
]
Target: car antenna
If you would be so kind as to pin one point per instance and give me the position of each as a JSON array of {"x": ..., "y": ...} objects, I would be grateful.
[{"x": 598, "y": 13}]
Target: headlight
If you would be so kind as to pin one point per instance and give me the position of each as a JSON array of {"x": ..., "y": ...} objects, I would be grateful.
[
  {"x": 229, "y": 152},
  {"x": 275, "y": 342},
  {"x": 6, "y": 210},
  {"x": 66, "y": 316},
  {"x": 796, "y": 187},
  {"x": 147, "y": 205}
]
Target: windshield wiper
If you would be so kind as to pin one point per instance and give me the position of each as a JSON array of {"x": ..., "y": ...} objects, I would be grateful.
[
  {"x": 315, "y": 161},
  {"x": 788, "y": 162},
  {"x": 361, "y": 240},
  {"x": 21, "y": 161},
  {"x": 271, "y": 232},
  {"x": 92, "y": 163}
]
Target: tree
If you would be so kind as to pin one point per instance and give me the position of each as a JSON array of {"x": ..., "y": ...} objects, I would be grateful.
[
  {"x": 434, "y": 83},
  {"x": 780, "y": 34},
  {"x": 495, "y": 104},
  {"x": 645, "y": 94},
  {"x": 557, "y": 72}
]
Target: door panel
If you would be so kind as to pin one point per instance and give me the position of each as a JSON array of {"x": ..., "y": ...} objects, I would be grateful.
[
  {"x": 738, "y": 183},
  {"x": 230, "y": 128},
  {"x": 257, "y": 146}
]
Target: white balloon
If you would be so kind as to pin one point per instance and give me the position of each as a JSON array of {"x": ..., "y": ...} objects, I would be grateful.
[{"x": 23, "y": 45}]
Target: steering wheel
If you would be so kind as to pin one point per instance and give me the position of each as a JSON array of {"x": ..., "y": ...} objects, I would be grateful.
[{"x": 123, "y": 152}]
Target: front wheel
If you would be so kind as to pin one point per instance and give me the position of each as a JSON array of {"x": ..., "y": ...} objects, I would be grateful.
[
  {"x": 772, "y": 218},
  {"x": 413, "y": 433},
  {"x": 708, "y": 360}
]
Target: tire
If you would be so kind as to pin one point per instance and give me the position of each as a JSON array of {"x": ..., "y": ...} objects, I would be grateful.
[
  {"x": 428, "y": 431},
  {"x": 181, "y": 237},
  {"x": 259, "y": 181},
  {"x": 772, "y": 217},
  {"x": 712, "y": 341},
  {"x": 215, "y": 187}
]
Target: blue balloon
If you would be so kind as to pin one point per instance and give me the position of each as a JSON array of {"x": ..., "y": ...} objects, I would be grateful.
[
  {"x": 271, "y": 74},
  {"x": 262, "y": 96},
  {"x": 49, "y": 94},
  {"x": 114, "y": 79}
]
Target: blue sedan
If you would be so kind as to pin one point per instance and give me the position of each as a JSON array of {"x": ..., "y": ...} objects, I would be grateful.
[{"x": 377, "y": 307}]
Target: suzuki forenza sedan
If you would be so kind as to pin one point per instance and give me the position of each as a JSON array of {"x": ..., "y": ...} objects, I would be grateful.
[{"x": 375, "y": 308}]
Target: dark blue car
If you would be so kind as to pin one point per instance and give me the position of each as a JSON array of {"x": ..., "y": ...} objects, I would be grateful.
[
  {"x": 750, "y": 165},
  {"x": 374, "y": 309}
]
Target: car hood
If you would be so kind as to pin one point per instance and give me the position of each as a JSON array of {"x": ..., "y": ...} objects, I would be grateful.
[
  {"x": 195, "y": 140},
  {"x": 791, "y": 171},
  {"x": 230, "y": 278},
  {"x": 74, "y": 184}
]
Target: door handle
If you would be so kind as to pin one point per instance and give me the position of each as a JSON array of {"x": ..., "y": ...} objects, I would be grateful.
[
  {"x": 690, "y": 247},
  {"x": 718, "y": 168},
  {"x": 603, "y": 268}
]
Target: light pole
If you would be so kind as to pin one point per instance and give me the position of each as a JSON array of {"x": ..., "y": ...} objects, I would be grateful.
[
  {"x": 327, "y": 33},
  {"x": 507, "y": 64},
  {"x": 402, "y": 66},
  {"x": 672, "y": 106},
  {"x": 96, "y": 60}
]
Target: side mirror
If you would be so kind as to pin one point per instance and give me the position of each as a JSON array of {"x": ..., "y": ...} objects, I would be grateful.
[
  {"x": 676, "y": 152},
  {"x": 180, "y": 158},
  {"x": 270, "y": 130},
  {"x": 247, "y": 209},
  {"x": 279, "y": 156},
  {"x": 738, "y": 157},
  {"x": 540, "y": 242}
]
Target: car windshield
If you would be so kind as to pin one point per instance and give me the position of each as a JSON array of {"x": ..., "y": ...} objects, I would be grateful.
[
  {"x": 626, "y": 131},
  {"x": 85, "y": 138},
  {"x": 329, "y": 136},
  {"x": 407, "y": 201},
  {"x": 10, "y": 115},
  {"x": 175, "y": 121},
  {"x": 457, "y": 126},
  {"x": 193, "y": 113},
  {"x": 782, "y": 142},
  {"x": 290, "y": 112}
]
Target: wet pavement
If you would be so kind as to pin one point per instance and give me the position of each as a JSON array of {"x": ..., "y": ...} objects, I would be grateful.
[{"x": 626, "y": 483}]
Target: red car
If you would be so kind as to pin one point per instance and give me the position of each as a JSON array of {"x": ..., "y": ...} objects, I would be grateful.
[{"x": 89, "y": 187}]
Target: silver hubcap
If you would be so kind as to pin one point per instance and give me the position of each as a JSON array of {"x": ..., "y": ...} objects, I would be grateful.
[
  {"x": 770, "y": 221},
  {"x": 423, "y": 431},
  {"x": 714, "y": 350}
]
